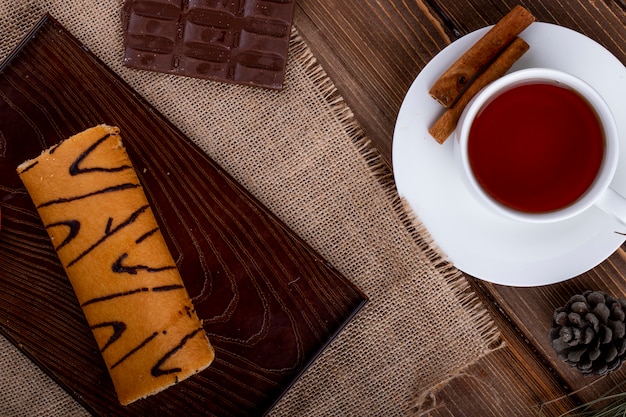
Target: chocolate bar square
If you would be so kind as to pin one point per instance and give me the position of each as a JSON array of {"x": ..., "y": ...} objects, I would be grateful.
[{"x": 238, "y": 41}]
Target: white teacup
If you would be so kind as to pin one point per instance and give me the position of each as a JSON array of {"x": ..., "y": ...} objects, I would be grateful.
[{"x": 525, "y": 173}]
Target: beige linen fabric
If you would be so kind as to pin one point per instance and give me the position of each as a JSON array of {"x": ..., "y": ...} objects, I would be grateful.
[{"x": 301, "y": 153}]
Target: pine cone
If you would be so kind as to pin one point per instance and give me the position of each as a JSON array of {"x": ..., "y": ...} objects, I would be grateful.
[{"x": 589, "y": 332}]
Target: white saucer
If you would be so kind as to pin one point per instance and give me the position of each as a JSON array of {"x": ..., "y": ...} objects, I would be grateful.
[{"x": 477, "y": 241}]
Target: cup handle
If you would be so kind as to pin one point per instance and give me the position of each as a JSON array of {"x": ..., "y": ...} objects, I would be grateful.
[{"x": 614, "y": 204}]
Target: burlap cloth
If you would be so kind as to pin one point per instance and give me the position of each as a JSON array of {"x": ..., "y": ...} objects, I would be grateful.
[{"x": 301, "y": 153}]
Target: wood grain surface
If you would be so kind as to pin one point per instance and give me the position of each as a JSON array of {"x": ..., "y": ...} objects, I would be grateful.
[
  {"x": 373, "y": 51},
  {"x": 255, "y": 284}
]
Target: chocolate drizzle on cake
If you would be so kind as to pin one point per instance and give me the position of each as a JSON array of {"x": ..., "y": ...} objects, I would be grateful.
[
  {"x": 133, "y": 269},
  {"x": 109, "y": 231},
  {"x": 131, "y": 292},
  {"x": 136, "y": 349},
  {"x": 73, "y": 229},
  {"x": 114, "y": 188},
  {"x": 168, "y": 288},
  {"x": 118, "y": 328},
  {"x": 146, "y": 235},
  {"x": 114, "y": 295},
  {"x": 157, "y": 370},
  {"x": 75, "y": 169},
  {"x": 29, "y": 167}
]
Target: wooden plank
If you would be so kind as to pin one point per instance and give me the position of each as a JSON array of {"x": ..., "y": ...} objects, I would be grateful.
[
  {"x": 504, "y": 384},
  {"x": 515, "y": 380},
  {"x": 601, "y": 21},
  {"x": 372, "y": 51},
  {"x": 530, "y": 311}
]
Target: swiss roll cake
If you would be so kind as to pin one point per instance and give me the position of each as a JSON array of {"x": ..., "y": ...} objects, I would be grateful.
[{"x": 103, "y": 229}]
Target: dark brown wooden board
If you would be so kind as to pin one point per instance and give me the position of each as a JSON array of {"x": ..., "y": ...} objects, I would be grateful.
[{"x": 270, "y": 304}]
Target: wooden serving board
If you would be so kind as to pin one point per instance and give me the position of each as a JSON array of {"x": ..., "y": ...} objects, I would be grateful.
[{"x": 270, "y": 304}]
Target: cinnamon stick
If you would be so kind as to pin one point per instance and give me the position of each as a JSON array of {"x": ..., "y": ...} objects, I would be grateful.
[
  {"x": 445, "y": 125},
  {"x": 449, "y": 87}
]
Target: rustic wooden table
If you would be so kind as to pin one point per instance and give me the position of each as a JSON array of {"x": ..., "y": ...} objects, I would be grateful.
[{"x": 373, "y": 50}]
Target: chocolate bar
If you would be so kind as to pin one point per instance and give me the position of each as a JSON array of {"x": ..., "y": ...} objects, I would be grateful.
[{"x": 237, "y": 41}]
